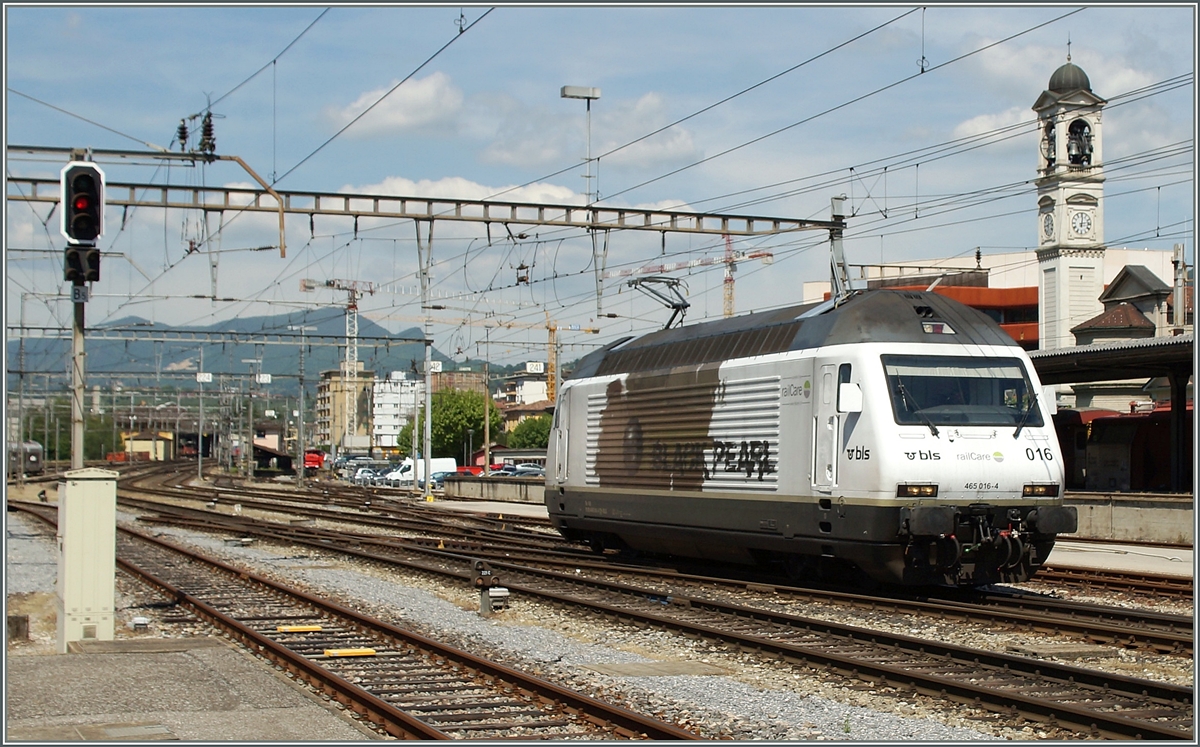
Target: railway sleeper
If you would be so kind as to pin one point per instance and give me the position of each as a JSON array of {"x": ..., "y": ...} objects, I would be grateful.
[
  {"x": 427, "y": 692},
  {"x": 493, "y": 708},
  {"x": 502, "y": 725},
  {"x": 399, "y": 687}
]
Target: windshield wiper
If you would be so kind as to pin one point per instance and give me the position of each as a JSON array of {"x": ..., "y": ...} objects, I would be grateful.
[
  {"x": 1025, "y": 417},
  {"x": 917, "y": 411}
]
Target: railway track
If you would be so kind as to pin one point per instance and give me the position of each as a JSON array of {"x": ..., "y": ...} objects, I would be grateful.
[
  {"x": 1088, "y": 702},
  {"x": 363, "y": 510},
  {"x": 1164, "y": 634},
  {"x": 1063, "y": 695},
  {"x": 408, "y": 685},
  {"x": 1139, "y": 583},
  {"x": 369, "y": 508}
]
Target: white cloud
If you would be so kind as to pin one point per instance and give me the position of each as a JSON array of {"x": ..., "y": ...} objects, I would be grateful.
[
  {"x": 187, "y": 364},
  {"x": 458, "y": 188},
  {"x": 536, "y": 138},
  {"x": 18, "y": 229},
  {"x": 984, "y": 123},
  {"x": 423, "y": 104},
  {"x": 629, "y": 120}
]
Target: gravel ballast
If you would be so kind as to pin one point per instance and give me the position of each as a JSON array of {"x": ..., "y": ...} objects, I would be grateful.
[
  {"x": 746, "y": 697},
  {"x": 754, "y": 700}
]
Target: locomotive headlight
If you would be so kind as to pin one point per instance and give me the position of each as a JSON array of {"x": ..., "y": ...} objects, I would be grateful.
[
  {"x": 916, "y": 491},
  {"x": 1041, "y": 491}
]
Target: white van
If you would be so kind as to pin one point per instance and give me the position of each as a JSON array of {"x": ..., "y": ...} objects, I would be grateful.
[{"x": 403, "y": 477}]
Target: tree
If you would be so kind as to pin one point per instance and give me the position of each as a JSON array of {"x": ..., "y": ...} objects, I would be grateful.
[
  {"x": 454, "y": 413},
  {"x": 531, "y": 433}
]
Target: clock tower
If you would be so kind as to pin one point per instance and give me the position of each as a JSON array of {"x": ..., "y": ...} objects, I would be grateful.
[{"x": 1070, "y": 217}]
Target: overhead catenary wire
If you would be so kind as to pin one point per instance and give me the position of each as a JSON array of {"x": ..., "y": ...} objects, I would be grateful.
[
  {"x": 258, "y": 72},
  {"x": 389, "y": 92},
  {"x": 842, "y": 105},
  {"x": 960, "y": 58},
  {"x": 923, "y": 203}
]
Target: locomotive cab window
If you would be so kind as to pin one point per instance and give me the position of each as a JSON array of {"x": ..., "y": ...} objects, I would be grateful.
[{"x": 948, "y": 390}]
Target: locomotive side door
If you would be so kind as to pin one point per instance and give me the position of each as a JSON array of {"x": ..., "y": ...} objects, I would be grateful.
[
  {"x": 558, "y": 435},
  {"x": 826, "y": 427}
]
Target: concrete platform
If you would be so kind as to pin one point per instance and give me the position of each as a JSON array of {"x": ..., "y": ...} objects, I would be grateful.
[
  {"x": 198, "y": 689},
  {"x": 1165, "y": 561}
]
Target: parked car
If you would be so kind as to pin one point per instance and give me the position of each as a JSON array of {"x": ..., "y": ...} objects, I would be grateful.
[
  {"x": 363, "y": 476},
  {"x": 403, "y": 476},
  {"x": 439, "y": 480},
  {"x": 381, "y": 476},
  {"x": 394, "y": 478},
  {"x": 532, "y": 471}
]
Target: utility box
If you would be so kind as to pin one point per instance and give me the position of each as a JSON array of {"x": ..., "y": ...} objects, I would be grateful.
[{"x": 87, "y": 555}]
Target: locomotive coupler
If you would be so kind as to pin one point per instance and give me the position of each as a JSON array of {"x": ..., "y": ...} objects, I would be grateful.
[{"x": 970, "y": 541}]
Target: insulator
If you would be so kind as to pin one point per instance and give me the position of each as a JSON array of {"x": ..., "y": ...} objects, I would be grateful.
[
  {"x": 182, "y": 134},
  {"x": 208, "y": 139}
]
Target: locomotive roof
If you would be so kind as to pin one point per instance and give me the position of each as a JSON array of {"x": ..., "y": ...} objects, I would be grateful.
[{"x": 868, "y": 316}]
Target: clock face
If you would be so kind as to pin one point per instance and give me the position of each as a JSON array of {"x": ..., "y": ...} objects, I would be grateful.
[
  {"x": 1048, "y": 224},
  {"x": 1081, "y": 223}
]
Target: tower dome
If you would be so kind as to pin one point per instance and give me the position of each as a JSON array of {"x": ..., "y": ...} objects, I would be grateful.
[{"x": 1069, "y": 77}]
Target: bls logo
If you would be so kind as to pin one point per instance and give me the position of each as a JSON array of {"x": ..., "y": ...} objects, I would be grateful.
[
  {"x": 858, "y": 452},
  {"x": 924, "y": 456}
]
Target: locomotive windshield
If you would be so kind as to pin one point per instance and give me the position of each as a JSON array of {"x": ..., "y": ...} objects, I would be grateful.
[{"x": 946, "y": 390}]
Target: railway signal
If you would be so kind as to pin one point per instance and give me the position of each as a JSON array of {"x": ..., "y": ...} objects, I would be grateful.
[
  {"x": 82, "y": 220},
  {"x": 82, "y": 202},
  {"x": 81, "y": 262}
]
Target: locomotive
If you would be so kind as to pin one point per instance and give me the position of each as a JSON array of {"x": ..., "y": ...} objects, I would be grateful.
[
  {"x": 27, "y": 457},
  {"x": 896, "y": 434}
]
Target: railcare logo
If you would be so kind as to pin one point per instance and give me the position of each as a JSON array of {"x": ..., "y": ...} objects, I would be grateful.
[
  {"x": 972, "y": 456},
  {"x": 803, "y": 390}
]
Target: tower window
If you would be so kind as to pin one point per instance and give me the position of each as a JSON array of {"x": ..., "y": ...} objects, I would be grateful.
[
  {"x": 1048, "y": 143},
  {"x": 1079, "y": 143}
]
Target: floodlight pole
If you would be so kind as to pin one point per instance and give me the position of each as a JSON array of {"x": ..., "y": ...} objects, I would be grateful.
[{"x": 589, "y": 95}]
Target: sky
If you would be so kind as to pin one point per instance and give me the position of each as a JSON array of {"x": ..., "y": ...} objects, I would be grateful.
[{"x": 920, "y": 115}]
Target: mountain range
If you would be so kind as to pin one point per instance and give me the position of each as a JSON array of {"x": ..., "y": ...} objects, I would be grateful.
[{"x": 166, "y": 363}]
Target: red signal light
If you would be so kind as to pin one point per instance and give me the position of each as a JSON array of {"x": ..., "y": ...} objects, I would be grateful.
[{"x": 83, "y": 202}]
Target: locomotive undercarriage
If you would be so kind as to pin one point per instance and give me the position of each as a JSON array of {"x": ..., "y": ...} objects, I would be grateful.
[
  {"x": 980, "y": 543},
  {"x": 947, "y": 545}
]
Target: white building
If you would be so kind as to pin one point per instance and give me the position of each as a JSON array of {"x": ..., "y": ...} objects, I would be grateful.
[
  {"x": 524, "y": 389},
  {"x": 393, "y": 404}
]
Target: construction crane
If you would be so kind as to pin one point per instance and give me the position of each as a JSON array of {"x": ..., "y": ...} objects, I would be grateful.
[
  {"x": 354, "y": 289},
  {"x": 553, "y": 328},
  {"x": 730, "y": 260}
]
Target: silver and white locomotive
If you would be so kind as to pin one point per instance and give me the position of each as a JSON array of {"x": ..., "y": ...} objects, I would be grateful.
[{"x": 899, "y": 432}]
